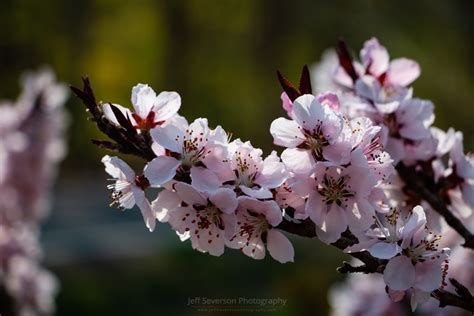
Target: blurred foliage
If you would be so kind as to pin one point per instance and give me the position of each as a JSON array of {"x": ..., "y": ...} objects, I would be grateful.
[{"x": 221, "y": 56}]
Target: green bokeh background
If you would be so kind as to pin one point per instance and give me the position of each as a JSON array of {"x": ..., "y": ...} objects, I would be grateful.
[{"x": 221, "y": 56}]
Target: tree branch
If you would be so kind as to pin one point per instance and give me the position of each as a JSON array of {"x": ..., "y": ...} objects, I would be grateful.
[
  {"x": 426, "y": 188},
  {"x": 463, "y": 299},
  {"x": 139, "y": 145},
  {"x": 127, "y": 140}
]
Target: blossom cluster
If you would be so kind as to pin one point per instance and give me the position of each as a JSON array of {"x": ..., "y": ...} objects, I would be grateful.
[
  {"x": 31, "y": 146},
  {"x": 378, "y": 88},
  {"x": 337, "y": 169}
]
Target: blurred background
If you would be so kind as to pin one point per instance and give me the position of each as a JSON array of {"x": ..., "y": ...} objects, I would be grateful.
[{"x": 221, "y": 57}]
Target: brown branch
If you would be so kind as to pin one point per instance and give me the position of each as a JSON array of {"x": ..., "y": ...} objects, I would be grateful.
[
  {"x": 127, "y": 140},
  {"x": 463, "y": 299},
  {"x": 130, "y": 142},
  {"x": 425, "y": 187}
]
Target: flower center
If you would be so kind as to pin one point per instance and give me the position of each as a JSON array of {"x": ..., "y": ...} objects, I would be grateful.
[
  {"x": 425, "y": 250},
  {"x": 208, "y": 215},
  {"x": 193, "y": 150},
  {"x": 334, "y": 190},
  {"x": 315, "y": 142},
  {"x": 246, "y": 170}
]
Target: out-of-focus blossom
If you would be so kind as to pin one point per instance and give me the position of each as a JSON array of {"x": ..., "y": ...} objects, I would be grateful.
[{"x": 31, "y": 146}]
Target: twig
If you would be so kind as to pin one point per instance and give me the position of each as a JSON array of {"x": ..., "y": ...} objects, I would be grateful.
[
  {"x": 426, "y": 188},
  {"x": 127, "y": 140},
  {"x": 140, "y": 145}
]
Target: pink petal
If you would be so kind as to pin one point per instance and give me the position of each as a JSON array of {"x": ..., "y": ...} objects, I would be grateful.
[
  {"x": 279, "y": 247},
  {"x": 161, "y": 170},
  {"x": 169, "y": 136},
  {"x": 374, "y": 57},
  {"x": 143, "y": 99},
  {"x": 286, "y": 103},
  {"x": 166, "y": 202},
  {"x": 402, "y": 71},
  {"x": 315, "y": 208},
  {"x": 118, "y": 168},
  {"x": 428, "y": 275},
  {"x": 307, "y": 111},
  {"x": 166, "y": 105},
  {"x": 333, "y": 225},
  {"x": 224, "y": 199},
  {"x": 297, "y": 160},
  {"x": 145, "y": 208},
  {"x": 189, "y": 195},
  {"x": 273, "y": 173},
  {"x": 416, "y": 221},
  {"x": 258, "y": 193},
  {"x": 204, "y": 179},
  {"x": 399, "y": 274},
  {"x": 286, "y": 133},
  {"x": 384, "y": 250}
]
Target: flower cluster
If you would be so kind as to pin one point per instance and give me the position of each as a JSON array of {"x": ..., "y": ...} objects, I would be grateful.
[
  {"x": 378, "y": 88},
  {"x": 31, "y": 145},
  {"x": 341, "y": 172}
]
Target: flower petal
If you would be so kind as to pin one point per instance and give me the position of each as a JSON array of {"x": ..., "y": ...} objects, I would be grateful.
[
  {"x": 169, "y": 136},
  {"x": 399, "y": 274},
  {"x": 166, "y": 201},
  {"x": 204, "y": 179},
  {"x": 166, "y": 105},
  {"x": 307, "y": 111},
  {"x": 118, "y": 168},
  {"x": 297, "y": 160},
  {"x": 384, "y": 250},
  {"x": 145, "y": 208},
  {"x": 286, "y": 133},
  {"x": 189, "y": 195},
  {"x": 279, "y": 247},
  {"x": 161, "y": 170},
  {"x": 225, "y": 199},
  {"x": 143, "y": 99},
  {"x": 402, "y": 71},
  {"x": 428, "y": 275}
]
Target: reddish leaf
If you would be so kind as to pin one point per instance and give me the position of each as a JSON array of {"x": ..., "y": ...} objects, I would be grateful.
[
  {"x": 345, "y": 60},
  {"x": 288, "y": 87}
]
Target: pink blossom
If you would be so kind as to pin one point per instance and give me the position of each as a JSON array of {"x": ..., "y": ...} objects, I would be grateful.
[
  {"x": 256, "y": 222},
  {"x": 128, "y": 188},
  {"x": 33, "y": 286},
  {"x": 246, "y": 170},
  {"x": 362, "y": 295},
  {"x": 376, "y": 61},
  {"x": 208, "y": 219},
  {"x": 185, "y": 147},
  {"x": 150, "y": 110},
  {"x": 415, "y": 260},
  {"x": 338, "y": 199},
  {"x": 309, "y": 136}
]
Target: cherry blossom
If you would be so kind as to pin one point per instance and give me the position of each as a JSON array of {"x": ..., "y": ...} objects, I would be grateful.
[
  {"x": 246, "y": 171},
  {"x": 128, "y": 188},
  {"x": 309, "y": 136},
  {"x": 362, "y": 165},
  {"x": 186, "y": 147},
  {"x": 419, "y": 263},
  {"x": 338, "y": 198},
  {"x": 256, "y": 222},
  {"x": 208, "y": 219},
  {"x": 150, "y": 110}
]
